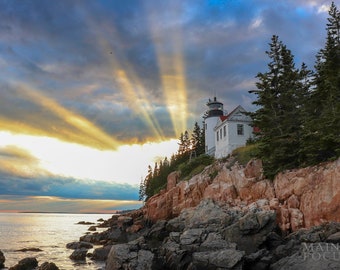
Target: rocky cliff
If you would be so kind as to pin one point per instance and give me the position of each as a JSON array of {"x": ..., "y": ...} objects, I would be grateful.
[{"x": 301, "y": 198}]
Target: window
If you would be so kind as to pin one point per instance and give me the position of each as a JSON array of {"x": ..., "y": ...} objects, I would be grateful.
[
  {"x": 221, "y": 134},
  {"x": 240, "y": 130},
  {"x": 217, "y": 136},
  {"x": 224, "y": 131}
]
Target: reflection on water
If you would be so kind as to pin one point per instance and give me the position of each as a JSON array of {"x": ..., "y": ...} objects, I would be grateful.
[{"x": 49, "y": 232}]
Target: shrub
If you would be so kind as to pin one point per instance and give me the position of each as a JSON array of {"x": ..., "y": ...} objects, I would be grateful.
[
  {"x": 195, "y": 166},
  {"x": 245, "y": 153}
]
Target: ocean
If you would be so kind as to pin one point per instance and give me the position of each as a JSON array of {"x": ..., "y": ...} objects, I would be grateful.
[{"x": 49, "y": 232}]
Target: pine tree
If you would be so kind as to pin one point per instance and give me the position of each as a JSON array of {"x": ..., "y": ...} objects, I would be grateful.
[
  {"x": 278, "y": 117},
  {"x": 197, "y": 141},
  {"x": 321, "y": 139}
]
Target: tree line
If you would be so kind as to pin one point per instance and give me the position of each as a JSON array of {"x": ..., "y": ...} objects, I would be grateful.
[
  {"x": 297, "y": 116},
  {"x": 298, "y": 110},
  {"x": 188, "y": 146}
]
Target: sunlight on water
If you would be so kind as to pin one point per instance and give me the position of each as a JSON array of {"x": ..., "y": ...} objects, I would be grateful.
[{"x": 48, "y": 232}]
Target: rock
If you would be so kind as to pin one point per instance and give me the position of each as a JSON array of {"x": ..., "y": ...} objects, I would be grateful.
[
  {"x": 296, "y": 219},
  {"x": 293, "y": 202},
  {"x": 134, "y": 228},
  {"x": 215, "y": 242},
  {"x": 79, "y": 245},
  {"x": 313, "y": 191},
  {"x": 251, "y": 230},
  {"x": 118, "y": 255},
  {"x": 85, "y": 223},
  {"x": 311, "y": 256},
  {"x": 192, "y": 236},
  {"x": 229, "y": 221},
  {"x": 172, "y": 180},
  {"x": 124, "y": 221},
  {"x": 79, "y": 254},
  {"x": 2, "y": 259},
  {"x": 48, "y": 266},
  {"x": 334, "y": 238},
  {"x": 92, "y": 238},
  {"x": 29, "y": 249},
  {"x": 145, "y": 259},
  {"x": 92, "y": 229},
  {"x": 100, "y": 254},
  {"x": 254, "y": 169},
  {"x": 158, "y": 230},
  {"x": 29, "y": 263},
  {"x": 317, "y": 190},
  {"x": 225, "y": 259}
]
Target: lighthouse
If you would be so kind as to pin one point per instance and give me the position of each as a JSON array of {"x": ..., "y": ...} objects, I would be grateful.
[{"x": 211, "y": 116}]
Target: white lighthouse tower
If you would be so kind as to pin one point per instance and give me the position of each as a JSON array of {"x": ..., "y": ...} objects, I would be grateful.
[{"x": 211, "y": 116}]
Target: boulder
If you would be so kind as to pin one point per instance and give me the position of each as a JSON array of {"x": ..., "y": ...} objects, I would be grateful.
[
  {"x": 221, "y": 259},
  {"x": 2, "y": 259},
  {"x": 79, "y": 245},
  {"x": 334, "y": 238},
  {"x": 79, "y": 254},
  {"x": 92, "y": 229},
  {"x": 311, "y": 256},
  {"x": 29, "y": 249},
  {"x": 85, "y": 223},
  {"x": 100, "y": 254},
  {"x": 251, "y": 230},
  {"x": 48, "y": 266},
  {"x": 29, "y": 263},
  {"x": 119, "y": 254},
  {"x": 158, "y": 231},
  {"x": 124, "y": 221}
]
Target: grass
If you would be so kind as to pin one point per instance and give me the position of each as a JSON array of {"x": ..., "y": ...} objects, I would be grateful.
[
  {"x": 195, "y": 166},
  {"x": 245, "y": 153}
]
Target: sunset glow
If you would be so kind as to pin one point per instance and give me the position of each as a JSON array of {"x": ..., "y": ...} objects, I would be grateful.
[{"x": 93, "y": 92}]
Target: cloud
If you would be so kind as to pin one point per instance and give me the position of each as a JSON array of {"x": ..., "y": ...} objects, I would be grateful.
[
  {"x": 104, "y": 74},
  {"x": 22, "y": 174},
  {"x": 116, "y": 64},
  {"x": 66, "y": 187},
  {"x": 19, "y": 162},
  {"x": 18, "y": 203}
]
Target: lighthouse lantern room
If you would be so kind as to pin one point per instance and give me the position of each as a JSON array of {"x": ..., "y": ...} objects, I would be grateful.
[{"x": 215, "y": 110}]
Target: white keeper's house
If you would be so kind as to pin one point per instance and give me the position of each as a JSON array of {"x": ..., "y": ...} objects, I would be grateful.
[{"x": 225, "y": 132}]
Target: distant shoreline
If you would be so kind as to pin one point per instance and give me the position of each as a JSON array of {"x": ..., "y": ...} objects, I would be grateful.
[{"x": 48, "y": 212}]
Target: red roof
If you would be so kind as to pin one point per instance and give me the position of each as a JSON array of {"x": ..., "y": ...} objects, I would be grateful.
[{"x": 223, "y": 117}]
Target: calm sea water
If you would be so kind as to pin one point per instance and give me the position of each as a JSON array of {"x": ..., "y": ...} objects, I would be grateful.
[{"x": 49, "y": 232}]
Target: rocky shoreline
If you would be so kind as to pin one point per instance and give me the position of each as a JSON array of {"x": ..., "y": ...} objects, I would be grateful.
[
  {"x": 238, "y": 220},
  {"x": 211, "y": 235}
]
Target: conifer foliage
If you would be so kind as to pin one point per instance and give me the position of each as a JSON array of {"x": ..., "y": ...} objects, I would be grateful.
[
  {"x": 322, "y": 126},
  {"x": 156, "y": 177},
  {"x": 298, "y": 110}
]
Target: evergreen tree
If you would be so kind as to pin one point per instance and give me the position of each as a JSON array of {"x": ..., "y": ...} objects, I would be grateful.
[
  {"x": 321, "y": 127},
  {"x": 278, "y": 117},
  {"x": 187, "y": 142},
  {"x": 197, "y": 141},
  {"x": 141, "y": 195},
  {"x": 184, "y": 143}
]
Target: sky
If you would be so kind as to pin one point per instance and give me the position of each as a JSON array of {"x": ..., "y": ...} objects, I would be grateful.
[{"x": 92, "y": 92}]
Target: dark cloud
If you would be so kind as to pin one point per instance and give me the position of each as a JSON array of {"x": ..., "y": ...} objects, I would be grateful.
[
  {"x": 72, "y": 50},
  {"x": 21, "y": 174},
  {"x": 66, "y": 188}
]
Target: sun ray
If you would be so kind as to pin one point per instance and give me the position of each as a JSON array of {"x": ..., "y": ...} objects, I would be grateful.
[
  {"x": 78, "y": 129},
  {"x": 129, "y": 83},
  {"x": 172, "y": 69}
]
